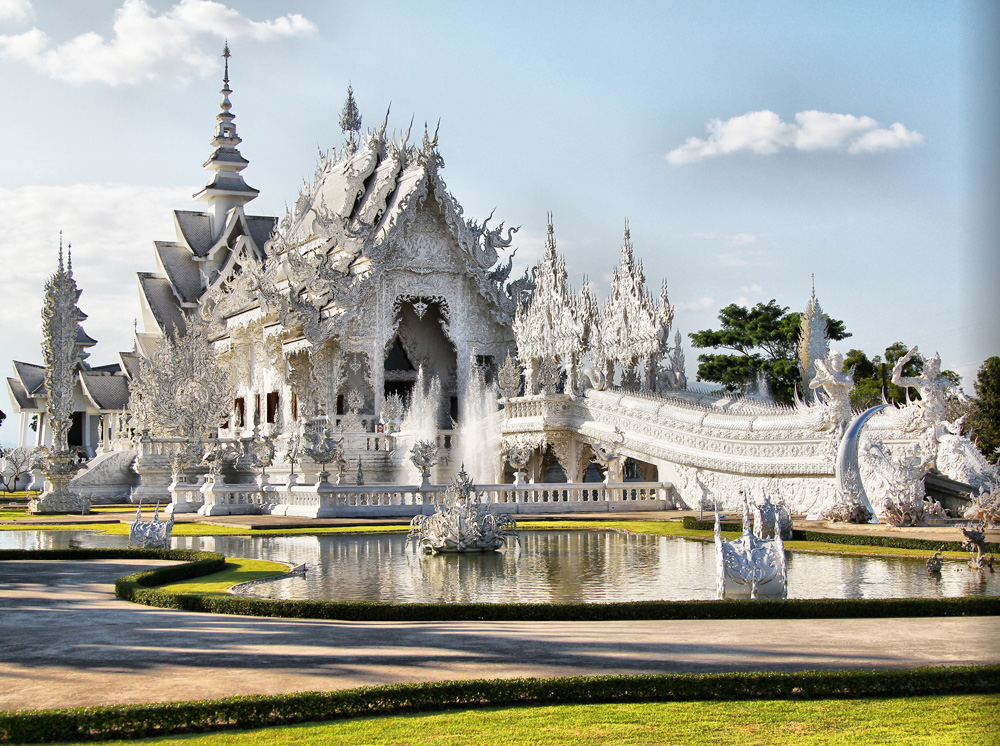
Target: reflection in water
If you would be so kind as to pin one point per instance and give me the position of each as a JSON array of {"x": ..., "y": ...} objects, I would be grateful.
[{"x": 548, "y": 566}]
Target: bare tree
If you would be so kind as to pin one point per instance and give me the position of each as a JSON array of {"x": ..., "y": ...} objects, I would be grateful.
[{"x": 14, "y": 464}]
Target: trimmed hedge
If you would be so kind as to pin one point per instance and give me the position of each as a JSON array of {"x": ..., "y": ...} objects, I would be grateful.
[
  {"x": 150, "y": 720},
  {"x": 896, "y": 542}
]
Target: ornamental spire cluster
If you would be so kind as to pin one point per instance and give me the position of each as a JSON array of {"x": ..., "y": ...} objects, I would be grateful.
[
  {"x": 631, "y": 329},
  {"x": 63, "y": 343}
]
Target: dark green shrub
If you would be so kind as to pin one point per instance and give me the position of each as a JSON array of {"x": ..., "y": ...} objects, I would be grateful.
[{"x": 149, "y": 720}]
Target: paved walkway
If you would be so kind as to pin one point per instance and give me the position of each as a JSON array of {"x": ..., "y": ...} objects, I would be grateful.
[{"x": 65, "y": 640}]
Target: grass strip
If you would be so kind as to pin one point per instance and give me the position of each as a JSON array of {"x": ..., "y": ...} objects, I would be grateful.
[
  {"x": 918, "y": 721},
  {"x": 146, "y": 720}
]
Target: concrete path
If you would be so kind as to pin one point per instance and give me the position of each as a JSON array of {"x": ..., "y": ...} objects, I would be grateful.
[{"x": 65, "y": 640}]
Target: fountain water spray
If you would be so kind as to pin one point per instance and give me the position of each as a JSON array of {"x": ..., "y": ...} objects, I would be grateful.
[
  {"x": 478, "y": 435},
  {"x": 419, "y": 423}
]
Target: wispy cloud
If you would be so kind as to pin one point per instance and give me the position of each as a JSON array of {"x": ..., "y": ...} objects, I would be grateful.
[
  {"x": 701, "y": 304},
  {"x": 744, "y": 258},
  {"x": 19, "y": 11},
  {"x": 732, "y": 239},
  {"x": 180, "y": 42},
  {"x": 764, "y": 133}
]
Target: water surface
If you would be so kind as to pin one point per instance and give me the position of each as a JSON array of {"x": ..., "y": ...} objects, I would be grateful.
[{"x": 590, "y": 566}]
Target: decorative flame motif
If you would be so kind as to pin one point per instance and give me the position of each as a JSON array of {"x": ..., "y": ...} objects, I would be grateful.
[{"x": 461, "y": 523}]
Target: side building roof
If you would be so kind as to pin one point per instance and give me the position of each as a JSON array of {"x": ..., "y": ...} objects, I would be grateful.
[
  {"x": 106, "y": 391},
  {"x": 162, "y": 302}
]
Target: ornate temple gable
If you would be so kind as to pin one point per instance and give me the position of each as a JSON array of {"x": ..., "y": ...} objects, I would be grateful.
[{"x": 375, "y": 208}]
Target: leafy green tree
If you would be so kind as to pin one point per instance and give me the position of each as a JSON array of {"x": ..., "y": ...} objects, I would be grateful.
[
  {"x": 762, "y": 341},
  {"x": 985, "y": 416}
]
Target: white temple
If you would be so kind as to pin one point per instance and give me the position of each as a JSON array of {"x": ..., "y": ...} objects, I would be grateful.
[{"x": 324, "y": 322}]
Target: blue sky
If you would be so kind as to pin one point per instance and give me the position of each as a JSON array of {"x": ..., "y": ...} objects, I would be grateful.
[{"x": 853, "y": 140}]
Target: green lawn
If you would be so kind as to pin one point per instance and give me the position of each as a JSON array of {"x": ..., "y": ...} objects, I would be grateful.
[
  {"x": 937, "y": 721},
  {"x": 237, "y": 571}
]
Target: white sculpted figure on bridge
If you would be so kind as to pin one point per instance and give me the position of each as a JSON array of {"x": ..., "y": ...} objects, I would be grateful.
[
  {"x": 934, "y": 388},
  {"x": 836, "y": 384}
]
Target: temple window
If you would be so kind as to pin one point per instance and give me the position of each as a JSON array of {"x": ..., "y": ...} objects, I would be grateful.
[
  {"x": 240, "y": 411},
  {"x": 272, "y": 407}
]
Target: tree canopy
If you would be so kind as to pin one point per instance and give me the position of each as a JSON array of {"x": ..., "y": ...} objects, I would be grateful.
[
  {"x": 762, "y": 341},
  {"x": 985, "y": 416}
]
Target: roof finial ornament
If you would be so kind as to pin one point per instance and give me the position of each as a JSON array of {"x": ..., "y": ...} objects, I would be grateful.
[
  {"x": 60, "y": 252},
  {"x": 350, "y": 119},
  {"x": 226, "y": 55},
  {"x": 813, "y": 275},
  {"x": 69, "y": 258}
]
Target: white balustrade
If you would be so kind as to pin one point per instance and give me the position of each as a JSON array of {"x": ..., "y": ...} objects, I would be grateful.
[{"x": 326, "y": 500}]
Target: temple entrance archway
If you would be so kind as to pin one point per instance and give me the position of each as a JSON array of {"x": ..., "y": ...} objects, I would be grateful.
[{"x": 421, "y": 341}]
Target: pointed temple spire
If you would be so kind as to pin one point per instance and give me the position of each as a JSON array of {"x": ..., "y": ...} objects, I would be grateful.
[
  {"x": 226, "y": 188},
  {"x": 814, "y": 344}
]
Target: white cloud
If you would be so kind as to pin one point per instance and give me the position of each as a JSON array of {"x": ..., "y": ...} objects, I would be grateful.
[
  {"x": 764, "y": 132},
  {"x": 180, "y": 42},
  {"x": 751, "y": 289},
  {"x": 897, "y": 136},
  {"x": 19, "y": 11},
  {"x": 701, "y": 304}
]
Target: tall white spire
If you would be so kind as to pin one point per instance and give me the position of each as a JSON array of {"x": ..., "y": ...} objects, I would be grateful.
[
  {"x": 814, "y": 344},
  {"x": 226, "y": 188}
]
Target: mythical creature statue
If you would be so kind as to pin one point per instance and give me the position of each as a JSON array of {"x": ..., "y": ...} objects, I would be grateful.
[
  {"x": 423, "y": 455},
  {"x": 750, "y": 565},
  {"x": 154, "y": 534},
  {"x": 769, "y": 516},
  {"x": 462, "y": 523},
  {"x": 985, "y": 507},
  {"x": 934, "y": 563},
  {"x": 518, "y": 457},
  {"x": 975, "y": 544},
  {"x": 901, "y": 502},
  {"x": 322, "y": 448}
]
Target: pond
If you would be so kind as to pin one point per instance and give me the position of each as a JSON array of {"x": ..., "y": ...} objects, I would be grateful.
[{"x": 591, "y": 566}]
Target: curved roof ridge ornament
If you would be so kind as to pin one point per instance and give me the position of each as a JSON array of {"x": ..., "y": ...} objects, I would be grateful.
[{"x": 848, "y": 469}]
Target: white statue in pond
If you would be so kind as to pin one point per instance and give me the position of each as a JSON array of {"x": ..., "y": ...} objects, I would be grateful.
[
  {"x": 751, "y": 566},
  {"x": 462, "y": 523}
]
